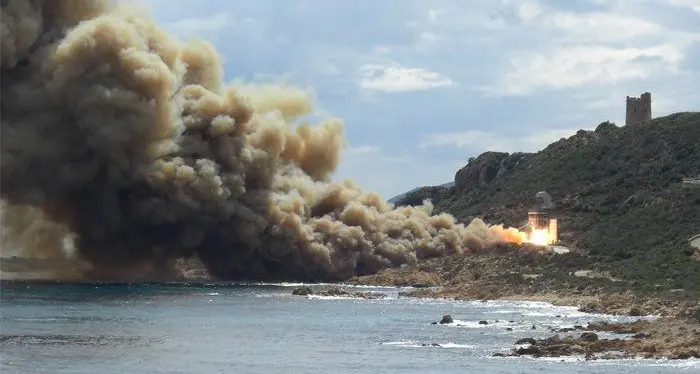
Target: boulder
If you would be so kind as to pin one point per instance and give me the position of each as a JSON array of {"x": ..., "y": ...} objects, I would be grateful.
[
  {"x": 526, "y": 341},
  {"x": 302, "y": 291},
  {"x": 446, "y": 319},
  {"x": 589, "y": 337}
]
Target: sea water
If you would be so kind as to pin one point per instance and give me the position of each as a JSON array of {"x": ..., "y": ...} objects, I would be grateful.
[{"x": 265, "y": 329}]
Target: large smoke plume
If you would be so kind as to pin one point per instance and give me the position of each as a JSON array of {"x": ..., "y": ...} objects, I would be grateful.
[{"x": 126, "y": 137}]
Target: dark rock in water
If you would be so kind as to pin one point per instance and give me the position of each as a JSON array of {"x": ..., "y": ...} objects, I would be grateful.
[
  {"x": 483, "y": 323},
  {"x": 336, "y": 291},
  {"x": 302, "y": 291},
  {"x": 550, "y": 347},
  {"x": 533, "y": 327},
  {"x": 434, "y": 323},
  {"x": 589, "y": 337},
  {"x": 446, "y": 319},
  {"x": 509, "y": 329},
  {"x": 526, "y": 341},
  {"x": 531, "y": 350},
  {"x": 431, "y": 345},
  {"x": 499, "y": 355},
  {"x": 557, "y": 316},
  {"x": 588, "y": 344}
]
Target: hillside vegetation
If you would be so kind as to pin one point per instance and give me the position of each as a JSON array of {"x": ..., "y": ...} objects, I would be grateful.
[{"x": 619, "y": 194}]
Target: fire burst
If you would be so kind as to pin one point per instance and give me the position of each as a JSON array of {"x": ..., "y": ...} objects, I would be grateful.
[
  {"x": 541, "y": 237},
  {"x": 543, "y": 229}
]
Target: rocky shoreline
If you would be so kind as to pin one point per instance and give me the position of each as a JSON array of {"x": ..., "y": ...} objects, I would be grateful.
[
  {"x": 526, "y": 276},
  {"x": 674, "y": 334},
  {"x": 663, "y": 338}
]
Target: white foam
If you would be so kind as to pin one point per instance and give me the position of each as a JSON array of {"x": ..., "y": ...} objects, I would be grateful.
[
  {"x": 476, "y": 324},
  {"x": 301, "y": 284},
  {"x": 562, "y": 359},
  {"x": 690, "y": 364},
  {"x": 558, "y": 312},
  {"x": 414, "y": 344},
  {"x": 456, "y": 345},
  {"x": 322, "y": 297},
  {"x": 403, "y": 342}
]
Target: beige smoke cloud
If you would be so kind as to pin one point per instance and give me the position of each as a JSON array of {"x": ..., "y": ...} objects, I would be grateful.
[{"x": 127, "y": 137}]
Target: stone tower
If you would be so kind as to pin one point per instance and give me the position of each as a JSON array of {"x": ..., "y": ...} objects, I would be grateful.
[{"x": 638, "y": 109}]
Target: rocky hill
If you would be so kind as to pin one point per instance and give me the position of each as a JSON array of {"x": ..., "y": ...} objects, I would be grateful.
[{"x": 620, "y": 196}]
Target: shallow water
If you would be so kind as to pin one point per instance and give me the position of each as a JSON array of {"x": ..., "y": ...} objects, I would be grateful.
[{"x": 264, "y": 329}]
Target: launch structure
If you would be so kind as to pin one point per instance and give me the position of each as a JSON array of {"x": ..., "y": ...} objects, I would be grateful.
[{"x": 543, "y": 226}]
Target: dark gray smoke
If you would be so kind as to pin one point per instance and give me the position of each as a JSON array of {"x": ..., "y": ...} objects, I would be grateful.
[{"x": 117, "y": 132}]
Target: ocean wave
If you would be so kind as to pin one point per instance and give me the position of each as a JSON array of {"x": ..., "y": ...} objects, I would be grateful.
[
  {"x": 348, "y": 297},
  {"x": 415, "y": 344},
  {"x": 477, "y": 325},
  {"x": 301, "y": 284}
]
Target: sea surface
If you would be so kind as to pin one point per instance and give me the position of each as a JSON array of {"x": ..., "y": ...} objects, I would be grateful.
[{"x": 264, "y": 329}]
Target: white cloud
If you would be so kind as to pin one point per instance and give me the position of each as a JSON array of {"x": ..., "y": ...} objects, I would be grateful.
[
  {"x": 693, "y": 4},
  {"x": 529, "y": 10},
  {"x": 576, "y": 66},
  {"x": 197, "y": 25},
  {"x": 480, "y": 141},
  {"x": 399, "y": 79},
  {"x": 434, "y": 14},
  {"x": 361, "y": 150},
  {"x": 600, "y": 27}
]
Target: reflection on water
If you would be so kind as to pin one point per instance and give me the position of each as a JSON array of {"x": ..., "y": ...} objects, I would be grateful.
[{"x": 93, "y": 341}]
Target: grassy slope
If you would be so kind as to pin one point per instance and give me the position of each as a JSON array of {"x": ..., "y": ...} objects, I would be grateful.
[{"x": 619, "y": 195}]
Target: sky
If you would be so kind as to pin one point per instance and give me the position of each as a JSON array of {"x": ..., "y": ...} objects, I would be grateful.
[{"x": 422, "y": 86}]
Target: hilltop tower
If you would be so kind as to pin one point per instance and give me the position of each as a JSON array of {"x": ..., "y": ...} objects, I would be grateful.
[{"x": 638, "y": 109}]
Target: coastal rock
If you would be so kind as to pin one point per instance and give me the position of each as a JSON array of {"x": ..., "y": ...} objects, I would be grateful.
[
  {"x": 446, "y": 319},
  {"x": 431, "y": 345},
  {"x": 302, "y": 291},
  {"x": 338, "y": 292},
  {"x": 483, "y": 322},
  {"x": 550, "y": 347},
  {"x": 618, "y": 328},
  {"x": 595, "y": 348}
]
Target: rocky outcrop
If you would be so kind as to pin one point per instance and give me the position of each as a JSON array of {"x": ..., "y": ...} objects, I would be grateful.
[
  {"x": 337, "y": 292},
  {"x": 674, "y": 338},
  {"x": 481, "y": 171},
  {"x": 417, "y": 196}
]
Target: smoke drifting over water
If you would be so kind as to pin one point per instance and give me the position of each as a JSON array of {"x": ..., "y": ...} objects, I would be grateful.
[{"x": 128, "y": 138}]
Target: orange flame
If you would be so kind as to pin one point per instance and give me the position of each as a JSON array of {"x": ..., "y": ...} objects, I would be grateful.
[{"x": 540, "y": 237}]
